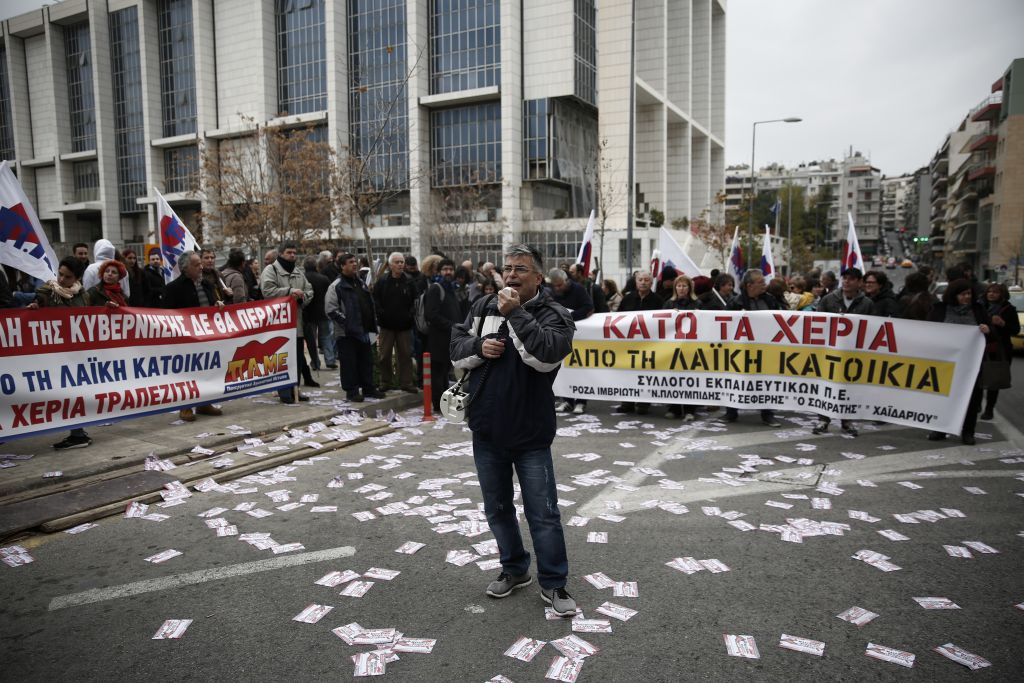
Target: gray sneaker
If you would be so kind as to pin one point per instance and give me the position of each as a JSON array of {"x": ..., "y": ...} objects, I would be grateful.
[
  {"x": 561, "y": 602},
  {"x": 506, "y": 583}
]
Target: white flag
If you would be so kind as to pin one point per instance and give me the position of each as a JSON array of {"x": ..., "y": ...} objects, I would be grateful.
[
  {"x": 671, "y": 254},
  {"x": 175, "y": 238},
  {"x": 23, "y": 244},
  {"x": 767, "y": 262},
  {"x": 587, "y": 246},
  {"x": 852, "y": 258}
]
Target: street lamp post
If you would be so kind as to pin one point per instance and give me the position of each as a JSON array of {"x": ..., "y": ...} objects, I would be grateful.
[{"x": 753, "y": 178}]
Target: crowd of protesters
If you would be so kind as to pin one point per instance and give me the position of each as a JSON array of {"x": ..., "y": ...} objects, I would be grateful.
[{"x": 365, "y": 323}]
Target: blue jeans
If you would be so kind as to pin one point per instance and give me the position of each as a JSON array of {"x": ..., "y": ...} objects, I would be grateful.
[
  {"x": 536, "y": 474},
  {"x": 326, "y": 334}
]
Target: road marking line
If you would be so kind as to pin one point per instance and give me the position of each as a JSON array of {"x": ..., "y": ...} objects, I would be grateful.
[
  {"x": 878, "y": 466},
  {"x": 201, "y": 576}
]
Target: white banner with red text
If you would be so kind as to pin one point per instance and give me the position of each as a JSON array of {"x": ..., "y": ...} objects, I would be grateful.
[
  {"x": 853, "y": 367},
  {"x": 75, "y": 367}
]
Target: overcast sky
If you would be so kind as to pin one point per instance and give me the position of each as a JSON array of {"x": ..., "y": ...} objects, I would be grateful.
[{"x": 888, "y": 77}]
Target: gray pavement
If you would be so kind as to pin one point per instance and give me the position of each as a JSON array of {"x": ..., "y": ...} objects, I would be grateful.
[{"x": 89, "y": 604}]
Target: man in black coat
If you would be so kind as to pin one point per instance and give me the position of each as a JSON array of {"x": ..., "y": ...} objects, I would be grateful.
[
  {"x": 641, "y": 298},
  {"x": 314, "y": 319},
  {"x": 393, "y": 298},
  {"x": 754, "y": 296},
  {"x": 192, "y": 290},
  {"x": 441, "y": 309}
]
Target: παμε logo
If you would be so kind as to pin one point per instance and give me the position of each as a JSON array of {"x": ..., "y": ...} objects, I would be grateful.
[{"x": 257, "y": 363}]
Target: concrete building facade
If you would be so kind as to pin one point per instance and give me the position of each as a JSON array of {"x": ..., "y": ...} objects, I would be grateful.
[{"x": 527, "y": 100}]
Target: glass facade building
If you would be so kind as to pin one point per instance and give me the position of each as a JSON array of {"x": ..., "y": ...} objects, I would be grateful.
[
  {"x": 377, "y": 104},
  {"x": 462, "y": 124},
  {"x": 177, "y": 68},
  {"x": 585, "y": 50},
  {"x": 301, "y": 56},
  {"x": 129, "y": 131},
  {"x": 465, "y": 45},
  {"x": 81, "y": 101},
  {"x": 6, "y": 122},
  {"x": 465, "y": 145}
]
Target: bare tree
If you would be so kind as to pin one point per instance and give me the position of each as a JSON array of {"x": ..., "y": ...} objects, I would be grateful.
[
  {"x": 610, "y": 192},
  {"x": 268, "y": 186},
  {"x": 465, "y": 218},
  {"x": 716, "y": 235},
  {"x": 372, "y": 171}
]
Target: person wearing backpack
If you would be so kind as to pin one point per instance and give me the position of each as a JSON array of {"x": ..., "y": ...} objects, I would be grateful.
[
  {"x": 394, "y": 296},
  {"x": 441, "y": 311}
]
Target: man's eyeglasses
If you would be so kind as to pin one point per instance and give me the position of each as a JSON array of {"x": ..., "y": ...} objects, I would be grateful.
[
  {"x": 519, "y": 270},
  {"x": 871, "y": 282}
]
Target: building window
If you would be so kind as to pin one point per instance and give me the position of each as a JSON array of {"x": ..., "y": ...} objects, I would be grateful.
[
  {"x": 301, "y": 56},
  {"x": 81, "y": 103},
  {"x": 622, "y": 256},
  {"x": 6, "y": 120},
  {"x": 181, "y": 168},
  {"x": 129, "y": 132},
  {"x": 86, "y": 176},
  {"x": 535, "y": 139},
  {"x": 585, "y": 50},
  {"x": 177, "y": 68},
  {"x": 465, "y": 45},
  {"x": 377, "y": 105},
  {"x": 465, "y": 145},
  {"x": 555, "y": 246}
]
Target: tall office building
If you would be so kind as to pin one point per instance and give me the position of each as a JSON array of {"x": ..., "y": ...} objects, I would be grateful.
[{"x": 526, "y": 102}]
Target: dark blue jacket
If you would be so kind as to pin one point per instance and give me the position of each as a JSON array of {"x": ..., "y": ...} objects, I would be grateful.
[
  {"x": 575, "y": 299},
  {"x": 515, "y": 409},
  {"x": 350, "y": 307}
]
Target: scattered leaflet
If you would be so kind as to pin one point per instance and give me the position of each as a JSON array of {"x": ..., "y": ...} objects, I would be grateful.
[
  {"x": 574, "y": 647},
  {"x": 858, "y": 616},
  {"x": 581, "y": 625},
  {"x": 163, "y": 556},
  {"x": 336, "y": 578},
  {"x": 610, "y": 609},
  {"x": 936, "y": 603},
  {"x": 597, "y": 537},
  {"x": 687, "y": 565},
  {"x": 460, "y": 558},
  {"x": 811, "y": 647},
  {"x": 421, "y": 645},
  {"x": 888, "y": 654},
  {"x": 357, "y": 589},
  {"x": 980, "y": 547},
  {"x": 136, "y": 509},
  {"x": 877, "y": 560},
  {"x": 80, "y": 528},
  {"x": 409, "y": 547},
  {"x": 893, "y": 535},
  {"x": 958, "y": 551},
  {"x": 961, "y": 656},
  {"x": 564, "y": 669},
  {"x": 348, "y": 632},
  {"x": 599, "y": 580},
  {"x": 741, "y": 646},
  {"x": 379, "y": 573},
  {"x": 626, "y": 589},
  {"x": 376, "y": 636},
  {"x": 369, "y": 664},
  {"x": 172, "y": 629},
  {"x": 525, "y": 649},
  {"x": 15, "y": 556},
  {"x": 313, "y": 613}
]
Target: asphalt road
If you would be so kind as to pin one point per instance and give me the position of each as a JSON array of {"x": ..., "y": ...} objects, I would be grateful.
[{"x": 79, "y": 611}]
